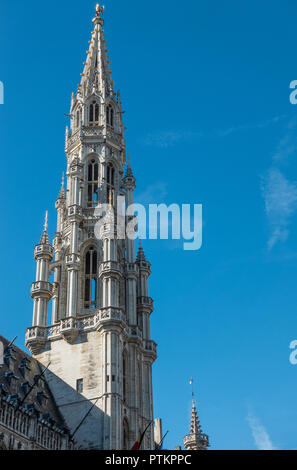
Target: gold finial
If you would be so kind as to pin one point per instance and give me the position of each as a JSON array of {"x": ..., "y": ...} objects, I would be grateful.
[
  {"x": 99, "y": 9},
  {"x": 110, "y": 198},
  {"x": 45, "y": 221}
]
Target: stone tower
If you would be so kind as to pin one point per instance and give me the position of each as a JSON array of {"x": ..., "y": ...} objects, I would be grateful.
[
  {"x": 196, "y": 440},
  {"x": 97, "y": 342}
]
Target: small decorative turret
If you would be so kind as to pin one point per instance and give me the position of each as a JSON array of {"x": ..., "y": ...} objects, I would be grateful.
[
  {"x": 129, "y": 180},
  {"x": 145, "y": 303},
  {"x": 41, "y": 291},
  {"x": 196, "y": 439},
  {"x": 62, "y": 190},
  {"x": 140, "y": 254},
  {"x": 129, "y": 185},
  {"x": 60, "y": 206}
]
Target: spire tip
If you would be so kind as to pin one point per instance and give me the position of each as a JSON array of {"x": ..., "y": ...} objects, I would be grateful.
[
  {"x": 99, "y": 9},
  {"x": 46, "y": 221}
]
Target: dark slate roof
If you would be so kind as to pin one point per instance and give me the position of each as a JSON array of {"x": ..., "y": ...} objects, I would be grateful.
[{"x": 18, "y": 373}]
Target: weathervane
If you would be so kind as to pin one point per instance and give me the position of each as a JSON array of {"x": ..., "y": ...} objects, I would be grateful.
[
  {"x": 45, "y": 221},
  {"x": 99, "y": 9},
  {"x": 191, "y": 383}
]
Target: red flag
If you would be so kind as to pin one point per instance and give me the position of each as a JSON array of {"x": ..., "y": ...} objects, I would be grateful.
[{"x": 137, "y": 444}]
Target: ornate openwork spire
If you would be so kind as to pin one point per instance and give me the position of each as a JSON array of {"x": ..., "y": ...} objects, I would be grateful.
[
  {"x": 196, "y": 440},
  {"x": 44, "y": 237},
  {"x": 96, "y": 75},
  {"x": 62, "y": 190},
  {"x": 140, "y": 254}
]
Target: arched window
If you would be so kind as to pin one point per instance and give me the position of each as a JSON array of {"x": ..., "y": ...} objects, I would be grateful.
[
  {"x": 110, "y": 183},
  {"x": 125, "y": 435},
  {"x": 77, "y": 118},
  {"x": 92, "y": 183},
  {"x": 125, "y": 377},
  {"x": 110, "y": 115},
  {"x": 139, "y": 383},
  {"x": 94, "y": 113},
  {"x": 91, "y": 268}
]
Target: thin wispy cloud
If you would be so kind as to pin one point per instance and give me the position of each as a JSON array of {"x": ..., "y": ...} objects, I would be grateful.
[
  {"x": 287, "y": 145},
  {"x": 280, "y": 197},
  {"x": 152, "y": 194},
  {"x": 168, "y": 138},
  {"x": 261, "y": 437},
  {"x": 245, "y": 127},
  {"x": 279, "y": 193}
]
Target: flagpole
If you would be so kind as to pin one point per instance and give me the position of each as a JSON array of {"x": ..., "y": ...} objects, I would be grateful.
[
  {"x": 191, "y": 383},
  {"x": 162, "y": 440}
]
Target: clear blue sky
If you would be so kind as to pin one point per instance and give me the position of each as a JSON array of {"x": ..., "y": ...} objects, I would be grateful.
[{"x": 205, "y": 87}]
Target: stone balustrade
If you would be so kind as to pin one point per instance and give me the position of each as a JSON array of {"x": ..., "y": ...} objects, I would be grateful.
[
  {"x": 150, "y": 347},
  {"x": 72, "y": 259},
  {"x": 43, "y": 250},
  {"x": 109, "y": 267},
  {"x": 145, "y": 302},
  {"x": 41, "y": 287},
  {"x": 74, "y": 211}
]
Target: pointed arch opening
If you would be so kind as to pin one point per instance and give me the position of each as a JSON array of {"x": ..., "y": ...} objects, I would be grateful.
[
  {"x": 77, "y": 118},
  {"x": 110, "y": 116},
  {"x": 93, "y": 183},
  {"x": 94, "y": 113},
  {"x": 91, "y": 278},
  {"x": 110, "y": 183},
  {"x": 125, "y": 376},
  {"x": 125, "y": 434}
]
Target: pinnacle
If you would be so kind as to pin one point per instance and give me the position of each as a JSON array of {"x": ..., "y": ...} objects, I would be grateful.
[
  {"x": 62, "y": 190},
  {"x": 129, "y": 171},
  {"x": 140, "y": 254},
  {"x": 195, "y": 424},
  {"x": 96, "y": 75},
  {"x": 44, "y": 240}
]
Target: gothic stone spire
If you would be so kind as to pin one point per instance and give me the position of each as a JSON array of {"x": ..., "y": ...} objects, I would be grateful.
[
  {"x": 196, "y": 440},
  {"x": 99, "y": 332},
  {"x": 96, "y": 75}
]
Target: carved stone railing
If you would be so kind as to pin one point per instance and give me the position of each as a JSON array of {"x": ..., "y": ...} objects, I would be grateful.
[
  {"x": 41, "y": 287},
  {"x": 70, "y": 327},
  {"x": 36, "y": 332},
  {"x": 112, "y": 267},
  {"x": 111, "y": 313},
  {"x": 132, "y": 268},
  {"x": 145, "y": 302},
  {"x": 111, "y": 134},
  {"x": 89, "y": 131},
  {"x": 135, "y": 333},
  {"x": 197, "y": 441},
  {"x": 72, "y": 259},
  {"x": 73, "y": 139},
  {"x": 150, "y": 347},
  {"x": 41, "y": 250},
  {"x": 74, "y": 211},
  {"x": 144, "y": 266},
  {"x": 36, "y": 337}
]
